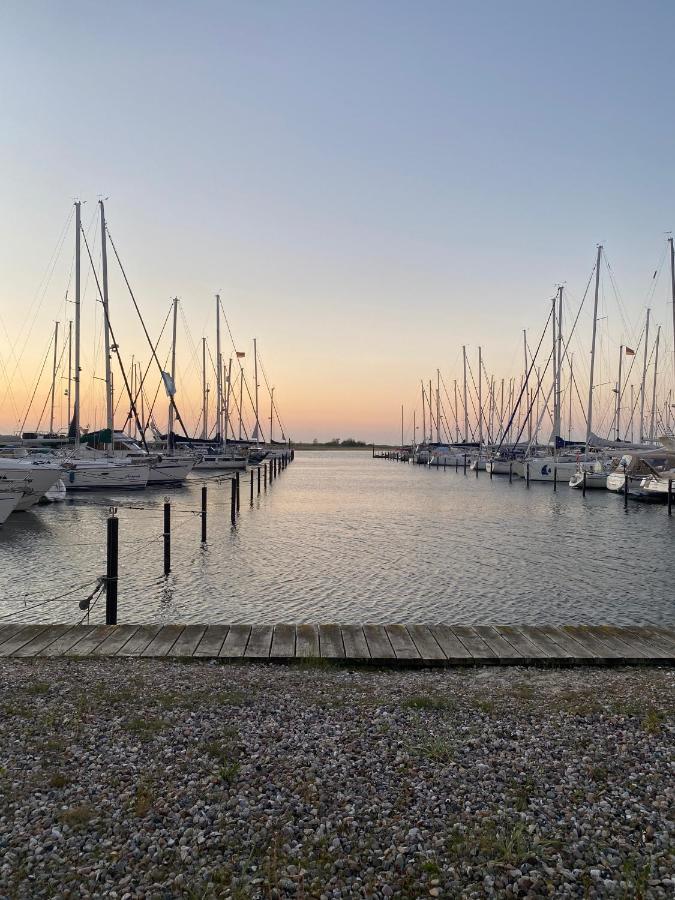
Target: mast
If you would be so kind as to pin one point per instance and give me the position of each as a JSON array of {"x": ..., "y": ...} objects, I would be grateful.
[
  {"x": 672, "y": 290},
  {"x": 456, "y": 419},
  {"x": 431, "y": 417},
  {"x": 527, "y": 390},
  {"x": 559, "y": 360},
  {"x": 644, "y": 381},
  {"x": 219, "y": 377},
  {"x": 140, "y": 381},
  {"x": 656, "y": 366},
  {"x": 438, "y": 406},
  {"x": 56, "y": 342},
  {"x": 255, "y": 375},
  {"x": 424, "y": 415},
  {"x": 241, "y": 395},
  {"x": 501, "y": 413},
  {"x": 205, "y": 412},
  {"x": 589, "y": 425},
  {"x": 480, "y": 399},
  {"x": 227, "y": 396},
  {"x": 401, "y": 426},
  {"x": 466, "y": 409},
  {"x": 70, "y": 368},
  {"x": 106, "y": 327},
  {"x": 271, "y": 415},
  {"x": 169, "y": 438},
  {"x": 569, "y": 416},
  {"x": 76, "y": 403},
  {"x": 618, "y": 396},
  {"x": 632, "y": 412}
]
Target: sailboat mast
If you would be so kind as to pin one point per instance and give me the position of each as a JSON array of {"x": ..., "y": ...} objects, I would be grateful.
[
  {"x": 227, "y": 397},
  {"x": 589, "y": 424},
  {"x": 456, "y": 419},
  {"x": 169, "y": 438},
  {"x": 559, "y": 360},
  {"x": 480, "y": 398},
  {"x": 569, "y": 416},
  {"x": 106, "y": 327},
  {"x": 271, "y": 415},
  {"x": 255, "y": 375},
  {"x": 656, "y": 366},
  {"x": 76, "y": 401},
  {"x": 431, "y": 416},
  {"x": 424, "y": 415},
  {"x": 672, "y": 290},
  {"x": 438, "y": 406},
  {"x": 644, "y": 381},
  {"x": 241, "y": 395},
  {"x": 56, "y": 344},
  {"x": 466, "y": 408},
  {"x": 527, "y": 390},
  {"x": 219, "y": 376},
  {"x": 618, "y": 396},
  {"x": 70, "y": 368},
  {"x": 205, "y": 412}
]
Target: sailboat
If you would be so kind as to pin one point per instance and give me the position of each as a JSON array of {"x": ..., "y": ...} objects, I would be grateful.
[{"x": 9, "y": 500}]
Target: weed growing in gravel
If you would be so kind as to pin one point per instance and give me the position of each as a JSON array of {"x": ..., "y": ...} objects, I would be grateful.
[
  {"x": 636, "y": 877},
  {"x": 58, "y": 780},
  {"x": 653, "y": 720},
  {"x": 486, "y": 706},
  {"x": 36, "y": 688},
  {"x": 426, "y": 701},
  {"x": 77, "y": 816},
  {"x": 144, "y": 798},
  {"x": 145, "y": 729},
  {"x": 437, "y": 749}
]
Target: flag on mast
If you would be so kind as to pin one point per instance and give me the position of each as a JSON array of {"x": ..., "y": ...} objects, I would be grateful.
[
  {"x": 630, "y": 352},
  {"x": 240, "y": 354}
]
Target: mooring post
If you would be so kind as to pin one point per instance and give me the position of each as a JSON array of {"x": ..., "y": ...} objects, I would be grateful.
[
  {"x": 625, "y": 487},
  {"x": 112, "y": 546},
  {"x": 555, "y": 479},
  {"x": 203, "y": 514},
  {"x": 583, "y": 487},
  {"x": 258, "y": 479},
  {"x": 527, "y": 475},
  {"x": 233, "y": 502},
  {"x": 167, "y": 536},
  {"x": 265, "y": 474},
  {"x": 238, "y": 493},
  {"x": 465, "y": 463},
  {"x": 252, "y": 473},
  {"x": 456, "y": 464},
  {"x": 670, "y": 496},
  {"x": 476, "y": 468},
  {"x": 510, "y": 471}
]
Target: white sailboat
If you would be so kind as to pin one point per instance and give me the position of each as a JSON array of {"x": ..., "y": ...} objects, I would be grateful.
[
  {"x": 34, "y": 478},
  {"x": 9, "y": 500}
]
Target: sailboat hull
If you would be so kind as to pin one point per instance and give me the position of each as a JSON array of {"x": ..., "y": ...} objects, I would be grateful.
[
  {"x": 101, "y": 477},
  {"x": 33, "y": 480},
  {"x": 9, "y": 501}
]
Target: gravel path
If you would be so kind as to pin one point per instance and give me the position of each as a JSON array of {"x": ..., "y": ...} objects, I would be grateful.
[{"x": 157, "y": 779}]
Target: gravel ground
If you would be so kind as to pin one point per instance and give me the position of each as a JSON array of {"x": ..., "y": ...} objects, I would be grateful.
[{"x": 158, "y": 779}]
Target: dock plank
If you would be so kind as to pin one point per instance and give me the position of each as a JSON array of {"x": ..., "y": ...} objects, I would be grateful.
[
  {"x": 356, "y": 645},
  {"x": 115, "y": 641},
  {"x": 598, "y": 649},
  {"x": 657, "y": 637},
  {"x": 163, "y": 641},
  {"x": 578, "y": 652},
  {"x": 403, "y": 644},
  {"x": 42, "y": 641},
  {"x": 474, "y": 643},
  {"x": 211, "y": 642},
  {"x": 91, "y": 640},
  {"x": 500, "y": 646},
  {"x": 20, "y": 638},
  {"x": 70, "y": 639},
  {"x": 450, "y": 644},
  {"x": 139, "y": 641},
  {"x": 8, "y": 631},
  {"x": 545, "y": 642},
  {"x": 426, "y": 643},
  {"x": 283, "y": 642},
  {"x": 379, "y": 644},
  {"x": 188, "y": 641},
  {"x": 234, "y": 645},
  {"x": 622, "y": 639},
  {"x": 331, "y": 644},
  {"x": 260, "y": 642},
  {"x": 521, "y": 643},
  {"x": 306, "y": 641}
]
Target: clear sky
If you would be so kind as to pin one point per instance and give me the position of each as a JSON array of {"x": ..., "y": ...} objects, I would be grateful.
[{"x": 369, "y": 185}]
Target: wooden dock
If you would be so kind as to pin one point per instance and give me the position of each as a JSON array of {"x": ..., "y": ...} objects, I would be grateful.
[{"x": 400, "y": 645}]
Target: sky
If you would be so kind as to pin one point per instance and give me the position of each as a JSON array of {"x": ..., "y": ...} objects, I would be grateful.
[{"x": 368, "y": 186}]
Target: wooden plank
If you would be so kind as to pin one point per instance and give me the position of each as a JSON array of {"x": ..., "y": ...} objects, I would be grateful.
[
  {"x": 306, "y": 641},
  {"x": 44, "y": 639},
  {"x": 454, "y": 649},
  {"x": 621, "y": 639},
  {"x": 599, "y": 649},
  {"x": 331, "y": 645},
  {"x": 545, "y": 642},
  {"x": 212, "y": 640},
  {"x": 115, "y": 641},
  {"x": 379, "y": 644},
  {"x": 8, "y": 631},
  {"x": 403, "y": 644},
  {"x": 234, "y": 644},
  {"x": 91, "y": 640},
  {"x": 503, "y": 649},
  {"x": 578, "y": 653},
  {"x": 474, "y": 643},
  {"x": 260, "y": 642},
  {"x": 188, "y": 641},
  {"x": 139, "y": 641},
  {"x": 70, "y": 639},
  {"x": 426, "y": 643},
  {"x": 283, "y": 642},
  {"x": 26, "y": 634},
  {"x": 355, "y": 643},
  {"x": 657, "y": 637},
  {"x": 163, "y": 641},
  {"x": 529, "y": 651}
]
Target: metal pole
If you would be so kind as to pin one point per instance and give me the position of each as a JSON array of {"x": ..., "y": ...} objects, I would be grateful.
[
  {"x": 656, "y": 366},
  {"x": 169, "y": 436},
  {"x": 76, "y": 404},
  {"x": 112, "y": 545},
  {"x": 466, "y": 409},
  {"x": 255, "y": 375},
  {"x": 251, "y": 487},
  {"x": 56, "y": 343},
  {"x": 106, "y": 325},
  {"x": 258, "y": 479},
  {"x": 70, "y": 371},
  {"x": 644, "y": 380},
  {"x": 589, "y": 415},
  {"x": 219, "y": 376},
  {"x": 205, "y": 413}
]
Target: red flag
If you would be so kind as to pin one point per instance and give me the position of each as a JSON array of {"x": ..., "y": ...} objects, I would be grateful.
[{"x": 630, "y": 352}]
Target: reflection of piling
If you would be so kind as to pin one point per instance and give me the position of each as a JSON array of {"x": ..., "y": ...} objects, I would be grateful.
[
  {"x": 112, "y": 546},
  {"x": 265, "y": 474},
  {"x": 233, "y": 502},
  {"x": 167, "y": 537},
  {"x": 258, "y": 479},
  {"x": 238, "y": 492},
  {"x": 465, "y": 463},
  {"x": 555, "y": 478},
  {"x": 527, "y": 475},
  {"x": 510, "y": 472},
  {"x": 203, "y": 514},
  {"x": 252, "y": 473},
  {"x": 670, "y": 496}
]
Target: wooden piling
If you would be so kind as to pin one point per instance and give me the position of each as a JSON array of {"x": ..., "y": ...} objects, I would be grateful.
[
  {"x": 670, "y": 496},
  {"x": 167, "y": 537},
  {"x": 527, "y": 475},
  {"x": 203, "y": 514},
  {"x": 112, "y": 550},
  {"x": 583, "y": 487},
  {"x": 510, "y": 471},
  {"x": 265, "y": 474},
  {"x": 258, "y": 479},
  {"x": 238, "y": 493},
  {"x": 555, "y": 479},
  {"x": 233, "y": 502}
]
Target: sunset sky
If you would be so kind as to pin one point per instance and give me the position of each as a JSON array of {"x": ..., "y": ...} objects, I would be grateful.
[{"x": 369, "y": 186}]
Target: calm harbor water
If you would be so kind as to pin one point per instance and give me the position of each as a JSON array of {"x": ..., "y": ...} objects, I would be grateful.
[{"x": 342, "y": 537}]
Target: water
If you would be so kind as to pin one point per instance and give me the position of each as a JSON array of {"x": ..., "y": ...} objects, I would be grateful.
[{"x": 342, "y": 537}]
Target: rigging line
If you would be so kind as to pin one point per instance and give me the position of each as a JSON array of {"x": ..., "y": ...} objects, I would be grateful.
[
  {"x": 548, "y": 410},
  {"x": 37, "y": 384},
  {"x": 281, "y": 425},
  {"x": 140, "y": 391},
  {"x": 63, "y": 350},
  {"x": 17, "y": 414},
  {"x": 48, "y": 600},
  {"x": 145, "y": 330},
  {"x": 115, "y": 349},
  {"x": 229, "y": 331},
  {"x": 149, "y": 417},
  {"x": 540, "y": 382}
]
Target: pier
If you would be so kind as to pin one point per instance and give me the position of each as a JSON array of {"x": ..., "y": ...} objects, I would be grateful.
[{"x": 394, "y": 645}]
